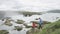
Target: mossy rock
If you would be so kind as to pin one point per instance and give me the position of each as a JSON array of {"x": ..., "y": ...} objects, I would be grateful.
[
  {"x": 8, "y": 24},
  {"x": 20, "y": 21},
  {"x": 18, "y": 28},
  {"x": 27, "y": 25},
  {"x": 4, "y": 32},
  {"x": 35, "y": 22}
]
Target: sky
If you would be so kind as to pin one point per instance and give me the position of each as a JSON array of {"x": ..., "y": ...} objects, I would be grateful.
[{"x": 29, "y": 5}]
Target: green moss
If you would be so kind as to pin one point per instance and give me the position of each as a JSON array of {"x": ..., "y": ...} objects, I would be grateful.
[
  {"x": 18, "y": 28},
  {"x": 4, "y": 32},
  {"x": 20, "y": 21},
  {"x": 9, "y": 24},
  {"x": 27, "y": 25}
]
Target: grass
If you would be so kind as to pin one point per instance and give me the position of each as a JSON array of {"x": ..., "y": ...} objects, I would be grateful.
[{"x": 53, "y": 28}]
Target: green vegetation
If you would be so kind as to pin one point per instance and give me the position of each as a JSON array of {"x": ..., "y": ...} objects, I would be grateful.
[
  {"x": 49, "y": 28},
  {"x": 32, "y": 31},
  {"x": 4, "y": 32},
  {"x": 9, "y": 24},
  {"x": 53, "y": 28}
]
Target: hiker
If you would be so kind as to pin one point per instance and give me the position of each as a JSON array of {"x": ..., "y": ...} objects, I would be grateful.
[
  {"x": 40, "y": 23},
  {"x": 33, "y": 26}
]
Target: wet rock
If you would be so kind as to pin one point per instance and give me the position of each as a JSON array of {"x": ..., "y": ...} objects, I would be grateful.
[
  {"x": 27, "y": 25},
  {"x": 20, "y": 21},
  {"x": 4, "y": 32},
  {"x": 18, "y": 28},
  {"x": 8, "y": 22}
]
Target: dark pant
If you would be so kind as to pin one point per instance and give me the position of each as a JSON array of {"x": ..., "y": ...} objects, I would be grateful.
[{"x": 40, "y": 26}]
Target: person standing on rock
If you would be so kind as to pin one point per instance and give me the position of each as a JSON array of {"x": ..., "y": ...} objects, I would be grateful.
[{"x": 40, "y": 23}]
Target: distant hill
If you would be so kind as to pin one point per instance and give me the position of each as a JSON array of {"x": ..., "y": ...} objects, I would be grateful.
[{"x": 53, "y": 11}]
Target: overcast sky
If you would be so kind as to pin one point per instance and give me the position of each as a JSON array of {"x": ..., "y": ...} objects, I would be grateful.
[{"x": 29, "y": 5}]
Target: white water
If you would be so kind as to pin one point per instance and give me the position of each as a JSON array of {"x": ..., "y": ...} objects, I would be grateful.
[{"x": 47, "y": 17}]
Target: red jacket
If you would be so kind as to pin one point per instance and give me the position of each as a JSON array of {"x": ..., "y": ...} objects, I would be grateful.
[{"x": 33, "y": 25}]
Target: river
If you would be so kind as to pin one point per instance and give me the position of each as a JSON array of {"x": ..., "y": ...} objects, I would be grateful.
[{"x": 47, "y": 17}]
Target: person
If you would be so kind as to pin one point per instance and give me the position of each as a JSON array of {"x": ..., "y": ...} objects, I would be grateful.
[
  {"x": 33, "y": 26},
  {"x": 40, "y": 23}
]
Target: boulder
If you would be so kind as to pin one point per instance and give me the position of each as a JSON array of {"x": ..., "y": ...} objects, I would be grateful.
[
  {"x": 8, "y": 22},
  {"x": 20, "y": 21},
  {"x": 18, "y": 28},
  {"x": 4, "y": 32}
]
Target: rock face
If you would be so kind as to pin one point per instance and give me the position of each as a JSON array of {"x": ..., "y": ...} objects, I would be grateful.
[
  {"x": 4, "y": 32},
  {"x": 18, "y": 28},
  {"x": 20, "y": 21}
]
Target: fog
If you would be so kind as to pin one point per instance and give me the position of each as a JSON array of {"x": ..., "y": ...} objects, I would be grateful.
[{"x": 2, "y": 14}]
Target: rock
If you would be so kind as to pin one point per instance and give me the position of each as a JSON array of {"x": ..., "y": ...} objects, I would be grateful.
[
  {"x": 20, "y": 21},
  {"x": 32, "y": 31},
  {"x": 18, "y": 28},
  {"x": 27, "y": 25},
  {"x": 4, "y": 32},
  {"x": 8, "y": 22}
]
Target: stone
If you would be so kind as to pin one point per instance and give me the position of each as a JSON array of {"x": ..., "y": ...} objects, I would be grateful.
[
  {"x": 18, "y": 28},
  {"x": 4, "y": 32}
]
